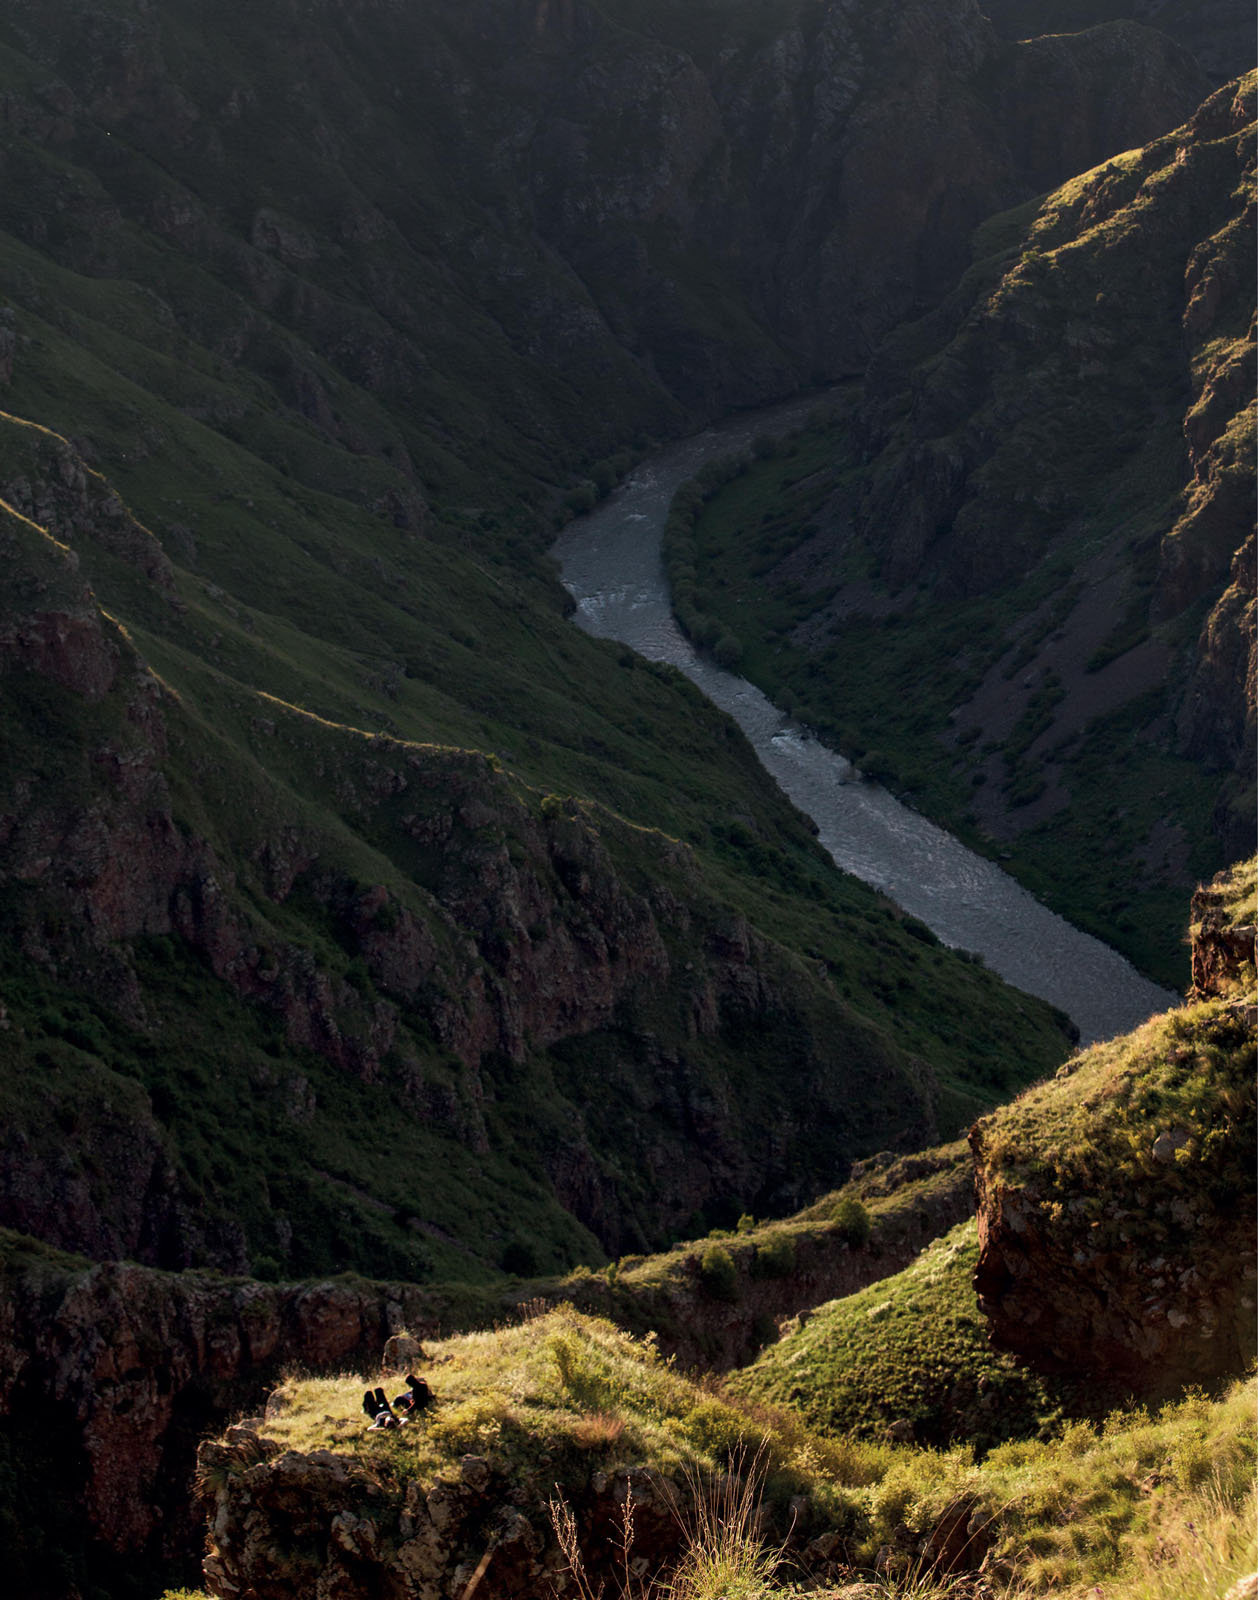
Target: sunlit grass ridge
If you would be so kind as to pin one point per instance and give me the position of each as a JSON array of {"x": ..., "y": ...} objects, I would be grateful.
[{"x": 1121, "y": 1503}]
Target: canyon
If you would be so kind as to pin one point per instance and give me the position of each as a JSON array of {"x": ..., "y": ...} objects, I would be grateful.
[{"x": 378, "y": 950}]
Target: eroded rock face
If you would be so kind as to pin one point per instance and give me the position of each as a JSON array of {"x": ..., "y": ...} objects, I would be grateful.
[
  {"x": 1223, "y": 937},
  {"x": 1122, "y": 1315},
  {"x": 127, "y": 1368},
  {"x": 289, "y": 1523},
  {"x": 1145, "y": 1278}
]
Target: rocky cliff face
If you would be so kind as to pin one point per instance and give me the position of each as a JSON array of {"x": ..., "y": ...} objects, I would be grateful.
[
  {"x": 1038, "y": 331},
  {"x": 499, "y": 926},
  {"x": 1223, "y": 934},
  {"x": 1049, "y": 497},
  {"x": 120, "y": 1370},
  {"x": 287, "y": 1522},
  {"x": 1148, "y": 1279}
]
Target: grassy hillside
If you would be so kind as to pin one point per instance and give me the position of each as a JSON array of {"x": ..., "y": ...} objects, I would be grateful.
[
  {"x": 1112, "y": 1253},
  {"x": 1141, "y": 1505},
  {"x": 910, "y": 1351},
  {"x": 888, "y": 1425},
  {"x": 304, "y": 747},
  {"x": 991, "y": 581}
]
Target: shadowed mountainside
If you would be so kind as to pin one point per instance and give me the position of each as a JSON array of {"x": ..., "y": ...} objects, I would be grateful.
[
  {"x": 564, "y": 1018},
  {"x": 507, "y": 237},
  {"x": 276, "y": 404},
  {"x": 1222, "y": 34},
  {"x": 1046, "y": 491},
  {"x": 356, "y": 910}
]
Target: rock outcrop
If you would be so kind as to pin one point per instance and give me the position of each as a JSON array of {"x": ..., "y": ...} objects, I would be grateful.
[
  {"x": 1223, "y": 934},
  {"x": 1220, "y": 33},
  {"x": 120, "y": 1370},
  {"x": 1116, "y": 1203},
  {"x": 289, "y": 1522}
]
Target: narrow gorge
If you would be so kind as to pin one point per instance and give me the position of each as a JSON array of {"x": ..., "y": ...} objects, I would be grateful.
[{"x": 622, "y": 624}]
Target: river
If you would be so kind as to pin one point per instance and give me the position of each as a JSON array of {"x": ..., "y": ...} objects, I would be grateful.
[{"x": 612, "y": 565}]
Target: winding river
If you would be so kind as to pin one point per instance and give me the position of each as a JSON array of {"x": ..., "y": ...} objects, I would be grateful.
[{"x": 612, "y": 565}]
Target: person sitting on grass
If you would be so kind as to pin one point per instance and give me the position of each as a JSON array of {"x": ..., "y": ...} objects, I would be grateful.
[{"x": 417, "y": 1399}]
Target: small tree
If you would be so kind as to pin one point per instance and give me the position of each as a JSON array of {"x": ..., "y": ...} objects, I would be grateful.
[
  {"x": 851, "y": 1222},
  {"x": 775, "y": 1258},
  {"x": 718, "y": 1274},
  {"x": 727, "y": 651}
]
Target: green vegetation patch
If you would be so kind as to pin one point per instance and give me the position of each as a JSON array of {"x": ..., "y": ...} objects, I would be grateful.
[
  {"x": 1140, "y": 1126},
  {"x": 911, "y": 1349},
  {"x": 1131, "y": 1502},
  {"x": 573, "y": 1388}
]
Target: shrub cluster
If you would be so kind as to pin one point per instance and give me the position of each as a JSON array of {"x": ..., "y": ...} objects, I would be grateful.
[
  {"x": 718, "y": 1274},
  {"x": 851, "y": 1222}
]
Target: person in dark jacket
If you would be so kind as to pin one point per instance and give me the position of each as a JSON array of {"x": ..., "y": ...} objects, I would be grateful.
[{"x": 417, "y": 1399}]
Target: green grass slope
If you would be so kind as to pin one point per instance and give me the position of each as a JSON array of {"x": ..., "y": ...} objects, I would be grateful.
[
  {"x": 1112, "y": 1252},
  {"x": 289, "y": 752},
  {"x": 910, "y": 1351},
  {"x": 1145, "y": 1505}
]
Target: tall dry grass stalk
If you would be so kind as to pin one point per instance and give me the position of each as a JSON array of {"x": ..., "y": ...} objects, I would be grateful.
[
  {"x": 629, "y": 1585},
  {"x": 724, "y": 1553},
  {"x": 725, "y": 1556},
  {"x": 1203, "y": 1545}
]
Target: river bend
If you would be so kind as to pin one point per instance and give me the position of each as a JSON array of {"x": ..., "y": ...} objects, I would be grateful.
[{"x": 612, "y": 565}]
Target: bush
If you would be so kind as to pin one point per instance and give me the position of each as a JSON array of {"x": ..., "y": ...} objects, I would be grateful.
[
  {"x": 775, "y": 1258},
  {"x": 721, "y": 1431},
  {"x": 851, "y": 1222},
  {"x": 581, "y": 499},
  {"x": 718, "y": 1274},
  {"x": 727, "y": 651}
]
